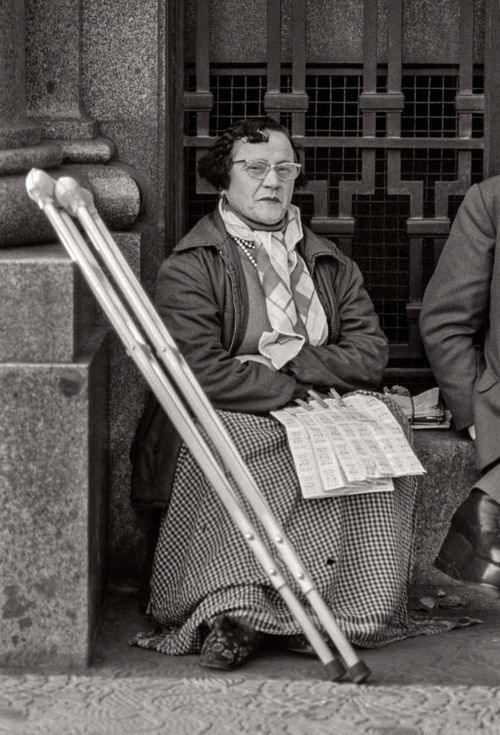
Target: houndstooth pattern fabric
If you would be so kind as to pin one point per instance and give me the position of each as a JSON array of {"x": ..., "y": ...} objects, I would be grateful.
[{"x": 358, "y": 551}]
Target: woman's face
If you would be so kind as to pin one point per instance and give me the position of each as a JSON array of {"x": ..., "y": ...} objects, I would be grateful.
[{"x": 266, "y": 200}]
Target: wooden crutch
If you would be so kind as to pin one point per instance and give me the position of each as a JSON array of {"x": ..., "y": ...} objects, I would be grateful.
[{"x": 150, "y": 345}]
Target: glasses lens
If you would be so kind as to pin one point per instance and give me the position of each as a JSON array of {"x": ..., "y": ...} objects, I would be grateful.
[
  {"x": 260, "y": 169},
  {"x": 257, "y": 169},
  {"x": 287, "y": 171}
]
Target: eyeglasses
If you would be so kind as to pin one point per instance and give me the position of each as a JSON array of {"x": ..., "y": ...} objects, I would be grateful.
[{"x": 260, "y": 169}]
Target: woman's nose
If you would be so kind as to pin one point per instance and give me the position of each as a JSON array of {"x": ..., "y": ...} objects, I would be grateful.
[{"x": 271, "y": 179}]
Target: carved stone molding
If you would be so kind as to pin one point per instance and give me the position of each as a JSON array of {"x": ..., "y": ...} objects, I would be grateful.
[{"x": 116, "y": 194}]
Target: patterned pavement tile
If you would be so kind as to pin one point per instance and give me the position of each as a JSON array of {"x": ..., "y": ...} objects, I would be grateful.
[
  {"x": 85, "y": 705},
  {"x": 432, "y": 685}
]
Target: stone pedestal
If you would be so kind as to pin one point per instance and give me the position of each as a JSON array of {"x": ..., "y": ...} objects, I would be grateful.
[
  {"x": 53, "y": 461},
  {"x": 450, "y": 461},
  {"x": 53, "y": 414},
  {"x": 53, "y": 499}
]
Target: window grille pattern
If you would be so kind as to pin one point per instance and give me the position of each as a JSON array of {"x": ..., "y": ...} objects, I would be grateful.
[
  {"x": 429, "y": 109},
  {"x": 334, "y": 104}
]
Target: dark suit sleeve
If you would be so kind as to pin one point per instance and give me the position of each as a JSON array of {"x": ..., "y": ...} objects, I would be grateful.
[{"x": 455, "y": 305}]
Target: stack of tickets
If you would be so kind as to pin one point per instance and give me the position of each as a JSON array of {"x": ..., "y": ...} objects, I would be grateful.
[
  {"x": 425, "y": 411},
  {"x": 346, "y": 446}
]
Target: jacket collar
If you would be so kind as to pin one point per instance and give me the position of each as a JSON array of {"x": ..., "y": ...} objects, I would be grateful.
[{"x": 209, "y": 232}]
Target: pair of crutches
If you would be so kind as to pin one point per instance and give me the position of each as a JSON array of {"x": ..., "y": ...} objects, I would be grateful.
[{"x": 153, "y": 350}]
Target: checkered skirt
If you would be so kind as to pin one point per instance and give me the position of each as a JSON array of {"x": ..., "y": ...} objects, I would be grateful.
[{"x": 358, "y": 551}]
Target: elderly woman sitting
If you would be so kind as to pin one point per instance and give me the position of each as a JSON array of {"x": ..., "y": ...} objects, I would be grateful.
[{"x": 263, "y": 310}]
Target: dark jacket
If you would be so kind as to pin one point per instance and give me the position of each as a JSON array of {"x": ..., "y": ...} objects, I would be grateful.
[
  {"x": 201, "y": 296},
  {"x": 460, "y": 318}
]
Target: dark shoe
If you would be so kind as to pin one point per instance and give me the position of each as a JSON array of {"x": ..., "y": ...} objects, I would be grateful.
[
  {"x": 229, "y": 644},
  {"x": 300, "y": 645},
  {"x": 297, "y": 644},
  {"x": 471, "y": 550}
]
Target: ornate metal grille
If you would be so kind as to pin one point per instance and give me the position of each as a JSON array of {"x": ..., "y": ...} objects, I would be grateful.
[{"x": 389, "y": 150}]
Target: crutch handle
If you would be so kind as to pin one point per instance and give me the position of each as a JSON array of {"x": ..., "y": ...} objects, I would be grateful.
[
  {"x": 40, "y": 187},
  {"x": 71, "y": 196}
]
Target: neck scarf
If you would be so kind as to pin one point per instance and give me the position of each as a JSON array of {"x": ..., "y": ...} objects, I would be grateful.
[{"x": 293, "y": 307}]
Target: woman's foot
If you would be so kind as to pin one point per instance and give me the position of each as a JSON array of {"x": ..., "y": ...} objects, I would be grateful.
[
  {"x": 229, "y": 644},
  {"x": 297, "y": 644}
]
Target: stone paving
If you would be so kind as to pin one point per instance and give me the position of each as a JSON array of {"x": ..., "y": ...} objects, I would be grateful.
[{"x": 447, "y": 684}]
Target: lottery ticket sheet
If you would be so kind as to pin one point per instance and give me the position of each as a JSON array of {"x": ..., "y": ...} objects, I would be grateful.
[{"x": 346, "y": 446}]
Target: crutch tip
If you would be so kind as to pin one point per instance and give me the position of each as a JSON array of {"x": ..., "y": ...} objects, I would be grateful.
[
  {"x": 335, "y": 669},
  {"x": 359, "y": 672}
]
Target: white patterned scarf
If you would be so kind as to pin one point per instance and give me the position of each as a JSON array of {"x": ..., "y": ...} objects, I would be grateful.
[{"x": 293, "y": 307}]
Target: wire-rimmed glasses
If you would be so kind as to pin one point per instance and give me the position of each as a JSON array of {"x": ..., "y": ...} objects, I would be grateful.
[{"x": 257, "y": 169}]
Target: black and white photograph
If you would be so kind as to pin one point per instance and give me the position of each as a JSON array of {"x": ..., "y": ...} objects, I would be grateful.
[{"x": 249, "y": 367}]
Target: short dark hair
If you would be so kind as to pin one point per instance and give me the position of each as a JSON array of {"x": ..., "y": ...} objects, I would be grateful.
[{"x": 215, "y": 165}]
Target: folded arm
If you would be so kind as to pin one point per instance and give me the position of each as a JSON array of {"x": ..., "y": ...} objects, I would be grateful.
[
  {"x": 192, "y": 307},
  {"x": 356, "y": 356}
]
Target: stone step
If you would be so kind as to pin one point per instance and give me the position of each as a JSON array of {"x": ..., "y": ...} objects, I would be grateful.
[
  {"x": 61, "y": 402},
  {"x": 53, "y": 495}
]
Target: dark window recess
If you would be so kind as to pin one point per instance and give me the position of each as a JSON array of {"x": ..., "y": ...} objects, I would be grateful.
[{"x": 429, "y": 109}]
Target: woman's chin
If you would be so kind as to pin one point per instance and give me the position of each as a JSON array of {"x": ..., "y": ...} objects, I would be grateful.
[{"x": 270, "y": 215}]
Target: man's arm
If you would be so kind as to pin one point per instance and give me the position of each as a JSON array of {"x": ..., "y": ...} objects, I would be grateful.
[{"x": 455, "y": 305}]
